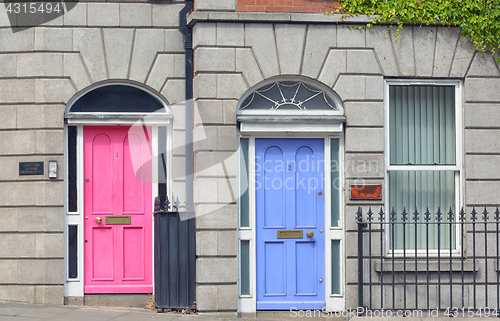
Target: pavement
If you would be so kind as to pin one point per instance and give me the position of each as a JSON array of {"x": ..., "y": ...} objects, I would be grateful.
[
  {"x": 31, "y": 312},
  {"x": 17, "y": 311}
]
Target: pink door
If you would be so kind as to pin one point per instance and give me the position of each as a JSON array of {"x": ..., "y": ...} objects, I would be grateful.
[{"x": 118, "y": 210}]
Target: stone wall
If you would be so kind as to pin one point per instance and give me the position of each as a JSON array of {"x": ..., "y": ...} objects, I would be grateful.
[
  {"x": 42, "y": 68},
  {"x": 236, "y": 52}
]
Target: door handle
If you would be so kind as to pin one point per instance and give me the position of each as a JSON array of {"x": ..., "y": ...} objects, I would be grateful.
[
  {"x": 98, "y": 220},
  {"x": 310, "y": 234}
]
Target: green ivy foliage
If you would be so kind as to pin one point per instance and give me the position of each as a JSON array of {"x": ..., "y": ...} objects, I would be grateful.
[{"x": 478, "y": 19}]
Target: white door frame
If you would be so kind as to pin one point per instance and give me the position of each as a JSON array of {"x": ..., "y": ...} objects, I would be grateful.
[
  {"x": 247, "y": 303},
  {"x": 75, "y": 287}
]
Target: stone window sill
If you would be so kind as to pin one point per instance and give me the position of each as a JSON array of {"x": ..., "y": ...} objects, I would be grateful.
[{"x": 422, "y": 266}]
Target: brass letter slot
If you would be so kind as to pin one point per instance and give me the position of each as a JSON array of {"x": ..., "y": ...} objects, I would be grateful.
[
  {"x": 290, "y": 234},
  {"x": 118, "y": 219}
]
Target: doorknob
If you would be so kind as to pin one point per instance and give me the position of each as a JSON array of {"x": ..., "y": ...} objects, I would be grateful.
[
  {"x": 98, "y": 220},
  {"x": 310, "y": 234}
]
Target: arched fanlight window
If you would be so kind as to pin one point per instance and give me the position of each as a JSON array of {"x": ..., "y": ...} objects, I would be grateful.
[
  {"x": 116, "y": 99},
  {"x": 289, "y": 97}
]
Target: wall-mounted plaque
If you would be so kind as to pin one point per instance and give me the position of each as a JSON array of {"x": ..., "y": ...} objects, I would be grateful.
[
  {"x": 366, "y": 192},
  {"x": 30, "y": 168}
]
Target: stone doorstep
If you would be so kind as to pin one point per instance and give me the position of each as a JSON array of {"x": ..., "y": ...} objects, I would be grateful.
[{"x": 111, "y": 300}]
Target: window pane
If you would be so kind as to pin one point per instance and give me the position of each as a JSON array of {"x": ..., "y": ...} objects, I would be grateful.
[
  {"x": 162, "y": 163},
  {"x": 336, "y": 267},
  {"x": 72, "y": 251},
  {"x": 422, "y": 125},
  {"x": 335, "y": 197},
  {"x": 289, "y": 95},
  {"x": 245, "y": 267},
  {"x": 244, "y": 201},
  {"x": 72, "y": 171},
  {"x": 423, "y": 190},
  {"x": 117, "y": 98}
]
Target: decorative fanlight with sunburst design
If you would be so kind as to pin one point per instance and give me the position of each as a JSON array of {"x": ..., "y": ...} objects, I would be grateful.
[{"x": 288, "y": 95}]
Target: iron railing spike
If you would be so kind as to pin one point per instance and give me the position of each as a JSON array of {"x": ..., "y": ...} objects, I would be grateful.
[
  {"x": 427, "y": 215},
  {"x": 167, "y": 204},
  {"x": 369, "y": 215},
  {"x": 473, "y": 215},
  {"x": 176, "y": 204},
  {"x": 439, "y": 215},
  {"x": 451, "y": 215},
  {"x": 187, "y": 205},
  {"x": 462, "y": 215},
  {"x": 393, "y": 215},
  {"x": 485, "y": 215},
  {"x": 497, "y": 214},
  {"x": 359, "y": 215},
  {"x": 404, "y": 215},
  {"x": 381, "y": 215},
  {"x": 415, "y": 215}
]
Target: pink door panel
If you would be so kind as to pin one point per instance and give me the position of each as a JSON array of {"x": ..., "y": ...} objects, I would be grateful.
[
  {"x": 133, "y": 195},
  {"x": 117, "y": 257},
  {"x": 102, "y": 247}
]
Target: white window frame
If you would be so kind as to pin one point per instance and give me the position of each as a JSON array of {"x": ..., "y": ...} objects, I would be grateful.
[{"x": 457, "y": 168}]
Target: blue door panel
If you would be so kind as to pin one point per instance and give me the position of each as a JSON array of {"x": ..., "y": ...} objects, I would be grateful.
[
  {"x": 289, "y": 178},
  {"x": 275, "y": 272},
  {"x": 305, "y": 183},
  {"x": 274, "y": 198},
  {"x": 306, "y": 273}
]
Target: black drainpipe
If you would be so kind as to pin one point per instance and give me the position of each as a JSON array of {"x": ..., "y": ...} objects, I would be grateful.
[{"x": 188, "y": 47}]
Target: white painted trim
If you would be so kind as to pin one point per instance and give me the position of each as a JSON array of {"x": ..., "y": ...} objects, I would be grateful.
[
  {"x": 81, "y": 219},
  {"x": 169, "y": 159},
  {"x": 327, "y": 220},
  {"x": 65, "y": 205},
  {"x": 458, "y": 168},
  {"x": 154, "y": 192},
  {"x": 74, "y": 287},
  {"x": 290, "y": 128},
  {"x": 289, "y": 112},
  {"x": 460, "y": 155},
  {"x": 118, "y": 121},
  {"x": 253, "y": 246},
  {"x": 334, "y": 302},
  {"x": 395, "y": 168},
  {"x": 387, "y": 161},
  {"x": 247, "y": 303},
  {"x": 424, "y": 82}
]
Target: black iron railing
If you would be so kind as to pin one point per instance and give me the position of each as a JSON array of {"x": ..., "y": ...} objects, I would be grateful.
[
  {"x": 175, "y": 256},
  {"x": 399, "y": 268}
]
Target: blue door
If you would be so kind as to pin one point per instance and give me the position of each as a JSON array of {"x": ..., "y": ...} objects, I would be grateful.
[{"x": 289, "y": 192}]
